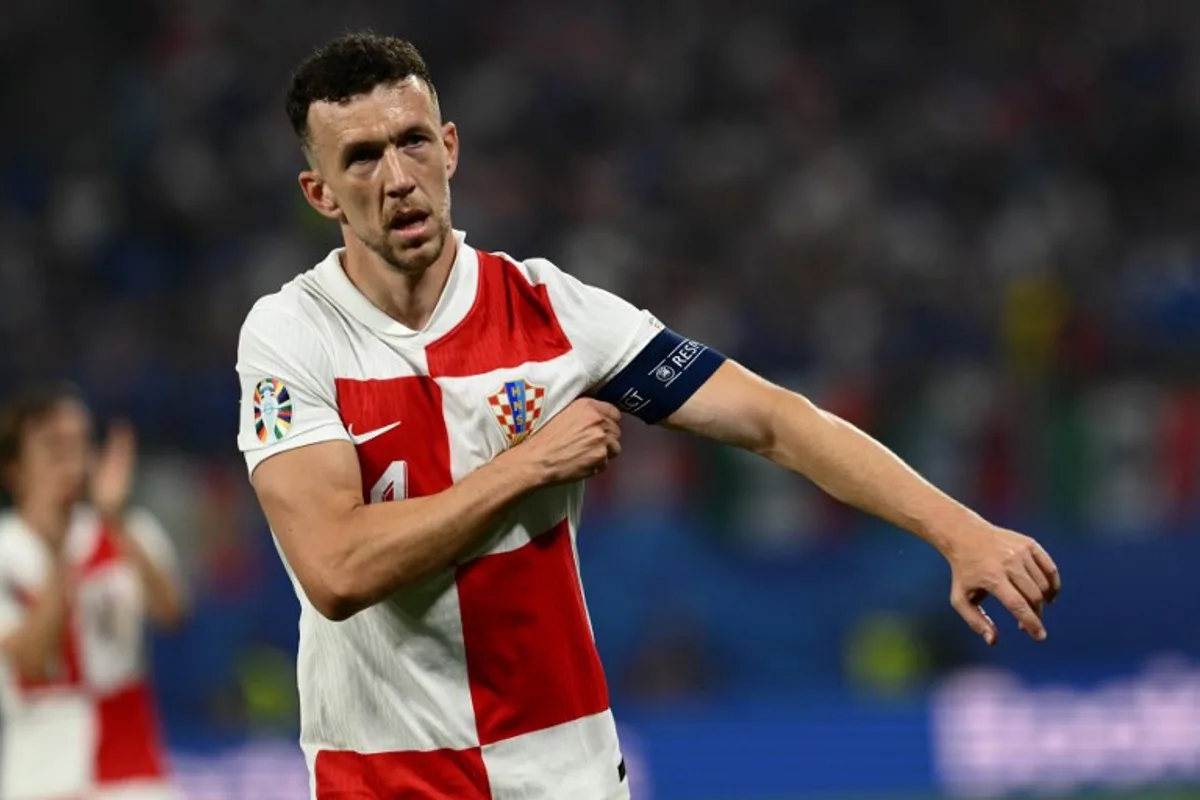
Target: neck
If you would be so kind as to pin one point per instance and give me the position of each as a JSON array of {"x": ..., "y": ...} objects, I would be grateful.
[
  {"x": 48, "y": 521},
  {"x": 407, "y": 297}
]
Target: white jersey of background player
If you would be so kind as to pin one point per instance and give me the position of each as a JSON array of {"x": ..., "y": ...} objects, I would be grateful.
[
  {"x": 418, "y": 417},
  {"x": 77, "y": 582}
]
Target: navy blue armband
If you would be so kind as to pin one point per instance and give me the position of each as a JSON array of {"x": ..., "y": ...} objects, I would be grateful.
[{"x": 662, "y": 377}]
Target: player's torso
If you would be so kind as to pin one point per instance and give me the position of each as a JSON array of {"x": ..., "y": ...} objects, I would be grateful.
[
  {"x": 89, "y": 718},
  {"x": 102, "y": 650},
  {"x": 492, "y": 658},
  {"x": 426, "y": 410}
]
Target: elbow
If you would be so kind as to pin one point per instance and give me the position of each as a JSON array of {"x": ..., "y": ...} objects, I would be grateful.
[
  {"x": 333, "y": 608},
  {"x": 337, "y": 597},
  {"x": 338, "y": 593}
]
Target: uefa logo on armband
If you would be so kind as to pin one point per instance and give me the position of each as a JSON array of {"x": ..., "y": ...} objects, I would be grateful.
[
  {"x": 517, "y": 408},
  {"x": 272, "y": 410}
]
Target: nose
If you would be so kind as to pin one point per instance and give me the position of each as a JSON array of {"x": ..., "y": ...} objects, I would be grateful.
[{"x": 397, "y": 179}]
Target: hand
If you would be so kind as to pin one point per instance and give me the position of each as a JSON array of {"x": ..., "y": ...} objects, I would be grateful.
[
  {"x": 112, "y": 473},
  {"x": 1012, "y": 568},
  {"x": 576, "y": 444}
]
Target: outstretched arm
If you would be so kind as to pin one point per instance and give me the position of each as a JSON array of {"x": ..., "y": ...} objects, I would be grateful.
[{"x": 737, "y": 407}]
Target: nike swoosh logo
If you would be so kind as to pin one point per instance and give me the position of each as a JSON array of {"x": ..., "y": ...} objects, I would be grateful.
[{"x": 363, "y": 438}]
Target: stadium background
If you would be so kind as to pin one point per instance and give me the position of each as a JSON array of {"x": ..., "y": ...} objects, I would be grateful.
[{"x": 970, "y": 228}]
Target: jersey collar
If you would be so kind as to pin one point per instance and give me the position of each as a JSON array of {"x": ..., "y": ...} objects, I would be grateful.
[{"x": 456, "y": 300}]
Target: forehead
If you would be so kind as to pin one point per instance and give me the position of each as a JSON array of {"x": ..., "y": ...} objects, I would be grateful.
[
  {"x": 65, "y": 419},
  {"x": 378, "y": 114}
]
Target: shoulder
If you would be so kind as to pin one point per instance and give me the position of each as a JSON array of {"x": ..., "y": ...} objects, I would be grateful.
[
  {"x": 535, "y": 271},
  {"x": 296, "y": 305},
  {"x": 296, "y": 322},
  {"x": 301, "y": 303}
]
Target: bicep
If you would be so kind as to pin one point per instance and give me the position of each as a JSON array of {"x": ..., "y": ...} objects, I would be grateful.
[
  {"x": 306, "y": 494},
  {"x": 734, "y": 406}
]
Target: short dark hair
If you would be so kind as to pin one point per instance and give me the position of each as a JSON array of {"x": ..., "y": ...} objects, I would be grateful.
[
  {"x": 27, "y": 406},
  {"x": 352, "y": 64}
]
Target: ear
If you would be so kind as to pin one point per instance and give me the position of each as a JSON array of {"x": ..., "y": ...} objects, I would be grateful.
[
  {"x": 316, "y": 192},
  {"x": 450, "y": 142}
]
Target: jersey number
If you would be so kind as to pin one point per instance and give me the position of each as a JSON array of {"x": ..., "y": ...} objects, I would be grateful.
[{"x": 392, "y": 484}]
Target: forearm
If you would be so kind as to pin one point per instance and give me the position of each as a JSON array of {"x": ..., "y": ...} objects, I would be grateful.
[
  {"x": 36, "y": 642},
  {"x": 858, "y": 470},
  {"x": 382, "y": 547},
  {"x": 164, "y": 597}
]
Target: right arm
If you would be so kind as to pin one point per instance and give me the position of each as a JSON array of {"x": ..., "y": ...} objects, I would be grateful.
[
  {"x": 34, "y": 641},
  {"x": 349, "y": 555}
]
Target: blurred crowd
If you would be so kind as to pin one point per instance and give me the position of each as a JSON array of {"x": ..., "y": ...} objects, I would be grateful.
[{"x": 970, "y": 228}]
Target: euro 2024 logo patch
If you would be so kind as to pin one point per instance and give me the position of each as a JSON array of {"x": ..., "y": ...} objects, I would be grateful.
[
  {"x": 517, "y": 408},
  {"x": 272, "y": 410}
]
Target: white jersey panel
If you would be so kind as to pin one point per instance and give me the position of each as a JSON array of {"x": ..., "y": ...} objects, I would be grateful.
[
  {"x": 392, "y": 677},
  {"x": 578, "y": 759}
]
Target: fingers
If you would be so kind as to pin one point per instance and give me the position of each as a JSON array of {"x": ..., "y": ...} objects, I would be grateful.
[
  {"x": 1039, "y": 578},
  {"x": 1048, "y": 568},
  {"x": 612, "y": 429},
  {"x": 1027, "y": 586},
  {"x": 607, "y": 410},
  {"x": 1019, "y": 607},
  {"x": 120, "y": 434},
  {"x": 975, "y": 617}
]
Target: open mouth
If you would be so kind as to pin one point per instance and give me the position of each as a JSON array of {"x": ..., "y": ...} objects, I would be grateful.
[{"x": 410, "y": 223}]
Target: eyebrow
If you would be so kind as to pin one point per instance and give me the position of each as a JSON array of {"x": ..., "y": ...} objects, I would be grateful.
[{"x": 355, "y": 145}]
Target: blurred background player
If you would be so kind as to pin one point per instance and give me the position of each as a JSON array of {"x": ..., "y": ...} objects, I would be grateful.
[{"x": 80, "y": 574}]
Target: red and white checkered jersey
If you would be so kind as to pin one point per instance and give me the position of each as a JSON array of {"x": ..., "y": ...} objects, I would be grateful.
[
  {"x": 89, "y": 729},
  {"x": 483, "y": 681}
]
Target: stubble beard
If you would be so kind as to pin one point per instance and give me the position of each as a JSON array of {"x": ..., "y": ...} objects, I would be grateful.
[{"x": 415, "y": 259}]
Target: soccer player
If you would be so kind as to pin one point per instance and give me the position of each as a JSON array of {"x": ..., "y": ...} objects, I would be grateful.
[
  {"x": 418, "y": 418},
  {"x": 79, "y": 573}
]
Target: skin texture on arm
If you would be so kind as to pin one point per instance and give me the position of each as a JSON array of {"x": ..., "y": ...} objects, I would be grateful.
[
  {"x": 740, "y": 408},
  {"x": 349, "y": 555},
  {"x": 165, "y": 601}
]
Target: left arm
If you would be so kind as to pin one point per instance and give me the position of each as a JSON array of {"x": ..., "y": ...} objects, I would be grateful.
[
  {"x": 138, "y": 537},
  {"x": 737, "y": 407},
  {"x": 653, "y": 373},
  {"x": 164, "y": 598}
]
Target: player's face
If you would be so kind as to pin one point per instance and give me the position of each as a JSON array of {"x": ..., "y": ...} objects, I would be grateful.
[
  {"x": 52, "y": 462},
  {"x": 384, "y": 162}
]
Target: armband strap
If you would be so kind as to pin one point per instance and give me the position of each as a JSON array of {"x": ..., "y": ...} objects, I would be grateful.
[{"x": 662, "y": 377}]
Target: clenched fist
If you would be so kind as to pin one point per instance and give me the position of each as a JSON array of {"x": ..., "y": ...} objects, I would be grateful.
[{"x": 576, "y": 444}]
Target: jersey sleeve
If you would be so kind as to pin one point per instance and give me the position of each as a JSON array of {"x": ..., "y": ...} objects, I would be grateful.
[
  {"x": 287, "y": 386},
  {"x": 633, "y": 361}
]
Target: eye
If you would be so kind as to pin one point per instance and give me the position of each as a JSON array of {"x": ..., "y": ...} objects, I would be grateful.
[
  {"x": 362, "y": 155},
  {"x": 415, "y": 139}
]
